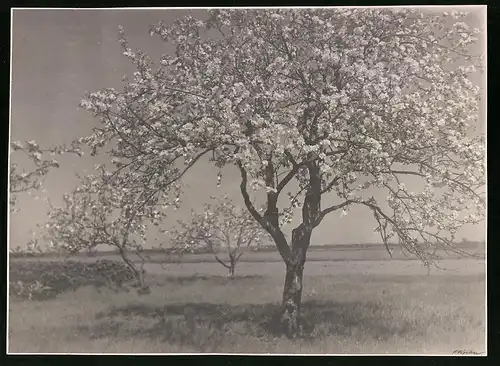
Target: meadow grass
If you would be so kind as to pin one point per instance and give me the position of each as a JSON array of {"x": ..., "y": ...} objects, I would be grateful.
[{"x": 344, "y": 313}]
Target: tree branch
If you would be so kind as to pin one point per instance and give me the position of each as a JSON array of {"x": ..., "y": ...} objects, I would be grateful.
[
  {"x": 282, "y": 184},
  {"x": 179, "y": 176},
  {"x": 330, "y": 209},
  {"x": 330, "y": 185},
  {"x": 221, "y": 262},
  {"x": 246, "y": 197},
  {"x": 273, "y": 230}
]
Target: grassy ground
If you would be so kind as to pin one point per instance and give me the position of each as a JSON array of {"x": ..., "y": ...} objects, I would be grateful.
[{"x": 365, "y": 310}]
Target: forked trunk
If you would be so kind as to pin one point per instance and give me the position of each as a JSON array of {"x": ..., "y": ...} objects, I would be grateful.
[{"x": 294, "y": 257}]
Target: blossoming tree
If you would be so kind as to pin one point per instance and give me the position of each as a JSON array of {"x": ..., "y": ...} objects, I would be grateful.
[
  {"x": 23, "y": 180},
  {"x": 309, "y": 103},
  {"x": 29, "y": 180},
  {"x": 222, "y": 229},
  {"x": 106, "y": 210}
]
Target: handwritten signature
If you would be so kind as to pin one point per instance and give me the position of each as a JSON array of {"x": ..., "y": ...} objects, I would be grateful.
[{"x": 466, "y": 352}]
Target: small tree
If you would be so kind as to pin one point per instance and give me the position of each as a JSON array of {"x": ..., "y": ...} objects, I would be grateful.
[
  {"x": 222, "y": 229},
  {"x": 102, "y": 211}
]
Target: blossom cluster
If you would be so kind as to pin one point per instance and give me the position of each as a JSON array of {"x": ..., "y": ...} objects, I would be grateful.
[{"x": 29, "y": 180}]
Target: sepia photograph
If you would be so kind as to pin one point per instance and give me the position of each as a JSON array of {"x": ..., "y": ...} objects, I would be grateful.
[{"x": 252, "y": 181}]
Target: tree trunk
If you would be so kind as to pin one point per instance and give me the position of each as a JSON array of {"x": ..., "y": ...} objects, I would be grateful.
[
  {"x": 139, "y": 273},
  {"x": 292, "y": 292},
  {"x": 301, "y": 238},
  {"x": 295, "y": 256},
  {"x": 143, "y": 288},
  {"x": 292, "y": 295},
  {"x": 232, "y": 264}
]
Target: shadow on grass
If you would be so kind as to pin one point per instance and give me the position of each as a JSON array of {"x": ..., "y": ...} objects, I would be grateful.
[{"x": 207, "y": 327}]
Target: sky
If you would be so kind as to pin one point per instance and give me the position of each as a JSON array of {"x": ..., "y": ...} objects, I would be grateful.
[{"x": 58, "y": 55}]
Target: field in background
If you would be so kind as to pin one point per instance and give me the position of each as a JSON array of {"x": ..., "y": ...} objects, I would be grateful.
[
  {"x": 356, "y": 306},
  {"x": 315, "y": 253}
]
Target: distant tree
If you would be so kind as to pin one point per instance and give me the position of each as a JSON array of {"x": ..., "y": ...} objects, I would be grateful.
[
  {"x": 101, "y": 211},
  {"x": 91, "y": 252},
  {"x": 312, "y": 102},
  {"x": 30, "y": 250},
  {"x": 222, "y": 229}
]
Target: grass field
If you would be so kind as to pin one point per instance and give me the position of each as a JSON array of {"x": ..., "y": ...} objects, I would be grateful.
[{"x": 369, "y": 306}]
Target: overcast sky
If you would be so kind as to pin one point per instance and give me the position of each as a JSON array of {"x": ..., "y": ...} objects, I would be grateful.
[{"x": 58, "y": 55}]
